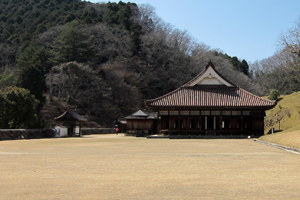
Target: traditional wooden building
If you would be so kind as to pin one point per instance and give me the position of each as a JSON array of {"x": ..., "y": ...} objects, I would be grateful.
[
  {"x": 210, "y": 106},
  {"x": 141, "y": 123},
  {"x": 71, "y": 119}
]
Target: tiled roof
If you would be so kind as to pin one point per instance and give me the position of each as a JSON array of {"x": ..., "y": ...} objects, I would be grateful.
[
  {"x": 71, "y": 115},
  {"x": 213, "y": 96},
  {"x": 142, "y": 115},
  {"x": 210, "y": 90}
]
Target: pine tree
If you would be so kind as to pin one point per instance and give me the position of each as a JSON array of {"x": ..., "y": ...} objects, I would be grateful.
[{"x": 73, "y": 44}]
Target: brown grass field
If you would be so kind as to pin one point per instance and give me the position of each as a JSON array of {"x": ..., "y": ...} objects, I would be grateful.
[
  {"x": 118, "y": 167},
  {"x": 289, "y": 139}
]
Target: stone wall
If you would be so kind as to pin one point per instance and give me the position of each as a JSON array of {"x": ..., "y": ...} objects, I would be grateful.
[
  {"x": 88, "y": 131},
  {"x": 12, "y": 134}
]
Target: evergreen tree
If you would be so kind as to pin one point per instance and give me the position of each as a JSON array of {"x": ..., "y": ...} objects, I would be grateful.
[
  {"x": 136, "y": 31},
  {"x": 245, "y": 67},
  {"x": 8, "y": 78},
  {"x": 34, "y": 63},
  {"x": 18, "y": 108},
  {"x": 73, "y": 44}
]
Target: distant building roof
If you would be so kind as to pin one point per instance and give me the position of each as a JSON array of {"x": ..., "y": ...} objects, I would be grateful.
[
  {"x": 209, "y": 90},
  {"x": 122, "y": 121},
  {"x": 139, "y": 113},
  {"x": 142, "y": 115},
  {"x": 70, "y": 115}
]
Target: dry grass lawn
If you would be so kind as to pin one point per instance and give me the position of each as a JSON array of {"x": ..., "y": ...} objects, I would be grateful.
[
  {"x": 118, "y": 167},
  {"x": 289, "y": 139}
]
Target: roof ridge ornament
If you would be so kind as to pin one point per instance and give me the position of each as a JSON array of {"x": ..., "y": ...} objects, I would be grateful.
[{"x": 210, "y": 64}]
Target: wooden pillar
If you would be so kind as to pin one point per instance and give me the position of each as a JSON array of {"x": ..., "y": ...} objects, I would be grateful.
[
  {"x": 215, "y": 123},
  {"x": 242, "y": 127},
  {"x": 200, "y": 123},
  {"x": 220, "y": 123},
  {"x": 159, "y": 123},
  {"x": 185, "y": 122},
  {"x": 79, "y": 129},
  {"x": 173, "y": 120}
]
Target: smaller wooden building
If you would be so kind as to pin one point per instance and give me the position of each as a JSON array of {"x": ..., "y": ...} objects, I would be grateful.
[
  {"x": 141, "y": 123},
  {"x": 71, "y": 119}
]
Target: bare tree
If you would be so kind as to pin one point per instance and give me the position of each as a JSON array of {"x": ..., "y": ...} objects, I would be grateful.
[
  {"x": 124, "y": 93},
  {"x": 280, "y": 71},
  {"x": 290, "y": 41},
  {"x": 111, "y": 43},
  {"x": 147, "y": 17},
  {"x": 66, "y": 79}
]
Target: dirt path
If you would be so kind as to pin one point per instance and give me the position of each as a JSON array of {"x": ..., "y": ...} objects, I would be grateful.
[{"x": 117, "y": 167}]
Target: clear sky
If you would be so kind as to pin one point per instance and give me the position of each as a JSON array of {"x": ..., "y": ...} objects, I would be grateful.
[{"x": 248, "y": 29}]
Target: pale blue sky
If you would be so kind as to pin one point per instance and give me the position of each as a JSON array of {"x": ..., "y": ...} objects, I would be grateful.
[{"x": 248, "y": 29}]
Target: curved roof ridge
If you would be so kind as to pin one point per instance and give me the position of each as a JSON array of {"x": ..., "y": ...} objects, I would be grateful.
[
  {"x": 71, "y": 112},
  {"x": 267, "y": 100},
  {"x": 193, "y": 79},
  {"x": 165, "y": 95}
]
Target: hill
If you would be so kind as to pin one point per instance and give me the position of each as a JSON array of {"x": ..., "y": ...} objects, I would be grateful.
[
  {"x": 288, "y": 139},
  {"x": 284, "y": 118},
  {"x": 103, "y": 59}
]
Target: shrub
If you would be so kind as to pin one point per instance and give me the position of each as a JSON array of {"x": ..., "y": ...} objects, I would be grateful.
[
  {"x": 288, "y": 112},
  {"x": 18, "y": 108},
  {"x": 274, "y": 94}
]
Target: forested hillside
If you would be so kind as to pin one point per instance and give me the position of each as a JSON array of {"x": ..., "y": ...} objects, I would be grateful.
[
  {"x": 103, "y": 59},
  {"x": 282, "y": 70}
]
